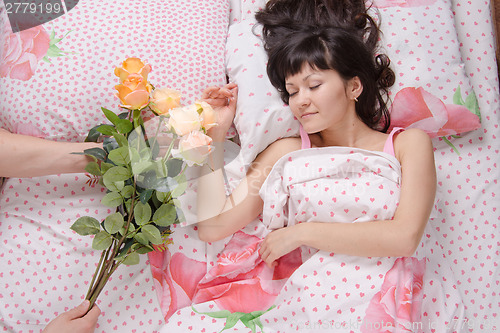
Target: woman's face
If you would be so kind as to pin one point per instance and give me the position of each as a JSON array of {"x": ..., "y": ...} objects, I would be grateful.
[{"x": 318, "y": 99}]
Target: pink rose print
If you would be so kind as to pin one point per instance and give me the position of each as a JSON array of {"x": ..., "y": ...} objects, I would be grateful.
[
  {"x": 402, "y": 3},
  {"x": 22, "y": 51},
  {"x": 175, "y": 279},
  {"x": 241, "y": 281},
  {"x": 417, "y": 108},
  {"x": 398, "y": 304}
]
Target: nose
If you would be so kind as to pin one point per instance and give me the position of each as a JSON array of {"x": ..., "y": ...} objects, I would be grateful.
[{"x": 303, "y": 99}]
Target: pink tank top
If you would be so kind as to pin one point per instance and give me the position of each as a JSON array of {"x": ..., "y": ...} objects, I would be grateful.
[{"x": 388, "y": 146}]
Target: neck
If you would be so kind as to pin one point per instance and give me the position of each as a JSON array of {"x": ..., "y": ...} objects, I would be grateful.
[{"x": 350, "y": 134}]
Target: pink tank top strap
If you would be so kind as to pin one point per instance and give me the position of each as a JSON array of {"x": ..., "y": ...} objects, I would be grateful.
[
  {"x": 306, "y": 142},
  {"x": 389, "y": 143}
]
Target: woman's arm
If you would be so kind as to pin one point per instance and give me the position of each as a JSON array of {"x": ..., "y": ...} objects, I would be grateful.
[
  {"x": 27, "y": 156},
  {"x": 221, "y": 215},
  {"x": 397, "y": 237}
]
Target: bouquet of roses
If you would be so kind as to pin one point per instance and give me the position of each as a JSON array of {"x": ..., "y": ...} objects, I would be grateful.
[{"x": 143, "y": 178}]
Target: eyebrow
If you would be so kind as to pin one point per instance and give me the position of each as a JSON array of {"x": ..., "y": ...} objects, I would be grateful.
[{"x": 304, "y": 79}]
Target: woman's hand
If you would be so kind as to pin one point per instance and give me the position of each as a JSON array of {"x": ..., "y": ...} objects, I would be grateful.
[
  {"x": 278, "y": 243},
  {"x": 223, "y": 101},
  {"x": 75, "y": 320}
]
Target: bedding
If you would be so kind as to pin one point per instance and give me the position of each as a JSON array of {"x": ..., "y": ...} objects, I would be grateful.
[
  {"x": 47, "y": 266},
  {"x": 432, "y": 55},
  {"x": 54, "y": 78}
]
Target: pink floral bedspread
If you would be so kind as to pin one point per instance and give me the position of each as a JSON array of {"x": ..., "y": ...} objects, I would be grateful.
[{"x": 309, "y": 289}]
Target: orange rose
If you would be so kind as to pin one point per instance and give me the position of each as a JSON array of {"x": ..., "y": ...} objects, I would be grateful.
[
  {"x": 134, "y": 92},
  {"x": 164, "y": 100},
  {"x": 132, "y": 66}
]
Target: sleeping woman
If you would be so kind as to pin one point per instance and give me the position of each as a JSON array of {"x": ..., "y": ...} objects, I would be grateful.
[{"x": 353, "y": 199}]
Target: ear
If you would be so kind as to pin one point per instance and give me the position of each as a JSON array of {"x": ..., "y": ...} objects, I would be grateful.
[{"x": 355, "y": 87}]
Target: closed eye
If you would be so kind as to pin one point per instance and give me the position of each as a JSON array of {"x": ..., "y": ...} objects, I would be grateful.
[{"x": 315, "y": 87}]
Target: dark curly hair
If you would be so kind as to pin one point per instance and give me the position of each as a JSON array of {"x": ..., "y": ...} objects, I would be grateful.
[{"x": 325, "y": 39}]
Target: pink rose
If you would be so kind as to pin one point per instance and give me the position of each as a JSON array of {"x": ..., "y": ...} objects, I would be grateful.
[
  {"x": 175, "y": 278},
  {"x": 194, "y": 148},
  {"x": 398, "y": 304},
  {"x": 241, "y": 281},
  {"x": 22, "y": 51},
  {"x": 207, "y": 114},
  {"x": 402, "y": 3},
  {"x": 416, "y": 108},
  {"x": 184, "y": 120}
]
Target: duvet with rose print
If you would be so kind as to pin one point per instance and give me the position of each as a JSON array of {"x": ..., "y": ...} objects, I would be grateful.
[{"x": 313, "y": 290}]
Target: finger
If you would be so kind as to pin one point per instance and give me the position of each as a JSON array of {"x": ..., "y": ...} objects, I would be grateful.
[
  {"x": 206, "y": 94},
  {"x": 78, "y": 311},
  {"x": 233, "y": 99},
  {"x": 230, "y": 85},
  {"x": 94, "y": 313}
]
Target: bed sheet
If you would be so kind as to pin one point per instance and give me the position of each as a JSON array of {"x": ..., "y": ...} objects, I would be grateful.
[{"x": 467, "y": 236}]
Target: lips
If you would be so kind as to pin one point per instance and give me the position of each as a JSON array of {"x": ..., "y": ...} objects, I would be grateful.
[{"x": 307, "y": 115}]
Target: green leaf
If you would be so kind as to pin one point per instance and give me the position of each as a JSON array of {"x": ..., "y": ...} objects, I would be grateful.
[
  {"x": 249, "y": 321},
  {"x": 112, "y": 117},
  {"x": 145, "y": 195},
  {"x": 93, "y": 135},
  {"x": 457, "y": 97},
  {"x": 54, "y": 51},
  {"x": 152, "y": 234},
  {"x": 131, "y": 259},
  {"x": 161, "y": 195},
  {"x": 120, "y": 156},
  {"x": 113, "y": 223},
  {"x": 102, "y": 241},
  {"x": 174, "y": 166},
  {"x": 124, "y": 126},
  {"x": 113, "y": 186},
  {"x": 181, "y": 186},
  {"x": 120, "y": 139},
  {"x": 165, "y": 215},
  {"x": 141, "y": 166},
  {"x": 109, "y": 143},
  {"x": 142, "y": 213},
  {"x": 105, "y": 167},
  {"x": 116, "y": 174},
  {"x": 112, "y": 199},
  {"x": 106, "y": 129},
  {"x": 93, "y": 169},
  {"x": 127, "y": 191},
  {"x": 215, "y": 314},
  {"x": 448, "y": 142},
  {"x": 233, "y": 319},
  {"x": 472, "y": 104},
  {"x": 98, "y": 153},
  {"x": 86, "y": 225},
  {"x": 142, "y": 249},
  {"x": 141, "y": 238},
  {"x": 131, "y": 229}
]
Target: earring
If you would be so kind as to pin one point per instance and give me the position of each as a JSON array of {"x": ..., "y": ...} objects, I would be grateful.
[{"x": 356, "y": 99}]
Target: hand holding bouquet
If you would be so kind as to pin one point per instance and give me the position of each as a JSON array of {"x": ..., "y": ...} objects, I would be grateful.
[{"x": 143, "y": 181}]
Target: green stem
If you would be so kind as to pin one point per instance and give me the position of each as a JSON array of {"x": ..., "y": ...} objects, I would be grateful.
[{"x": 96, "y": 273}]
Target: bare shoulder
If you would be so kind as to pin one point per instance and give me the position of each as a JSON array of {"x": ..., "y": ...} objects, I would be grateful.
[
  {"x": 278, "y": 149},
  {"x": 412, "y": 141}
]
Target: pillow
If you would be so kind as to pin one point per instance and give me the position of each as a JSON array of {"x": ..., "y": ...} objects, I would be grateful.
[
  {"x": 420, "y": 38},
  {"x": 56, "y": 76},
  {"x": 432, "y": 91},
  {"x": 261, "y": 116}
]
